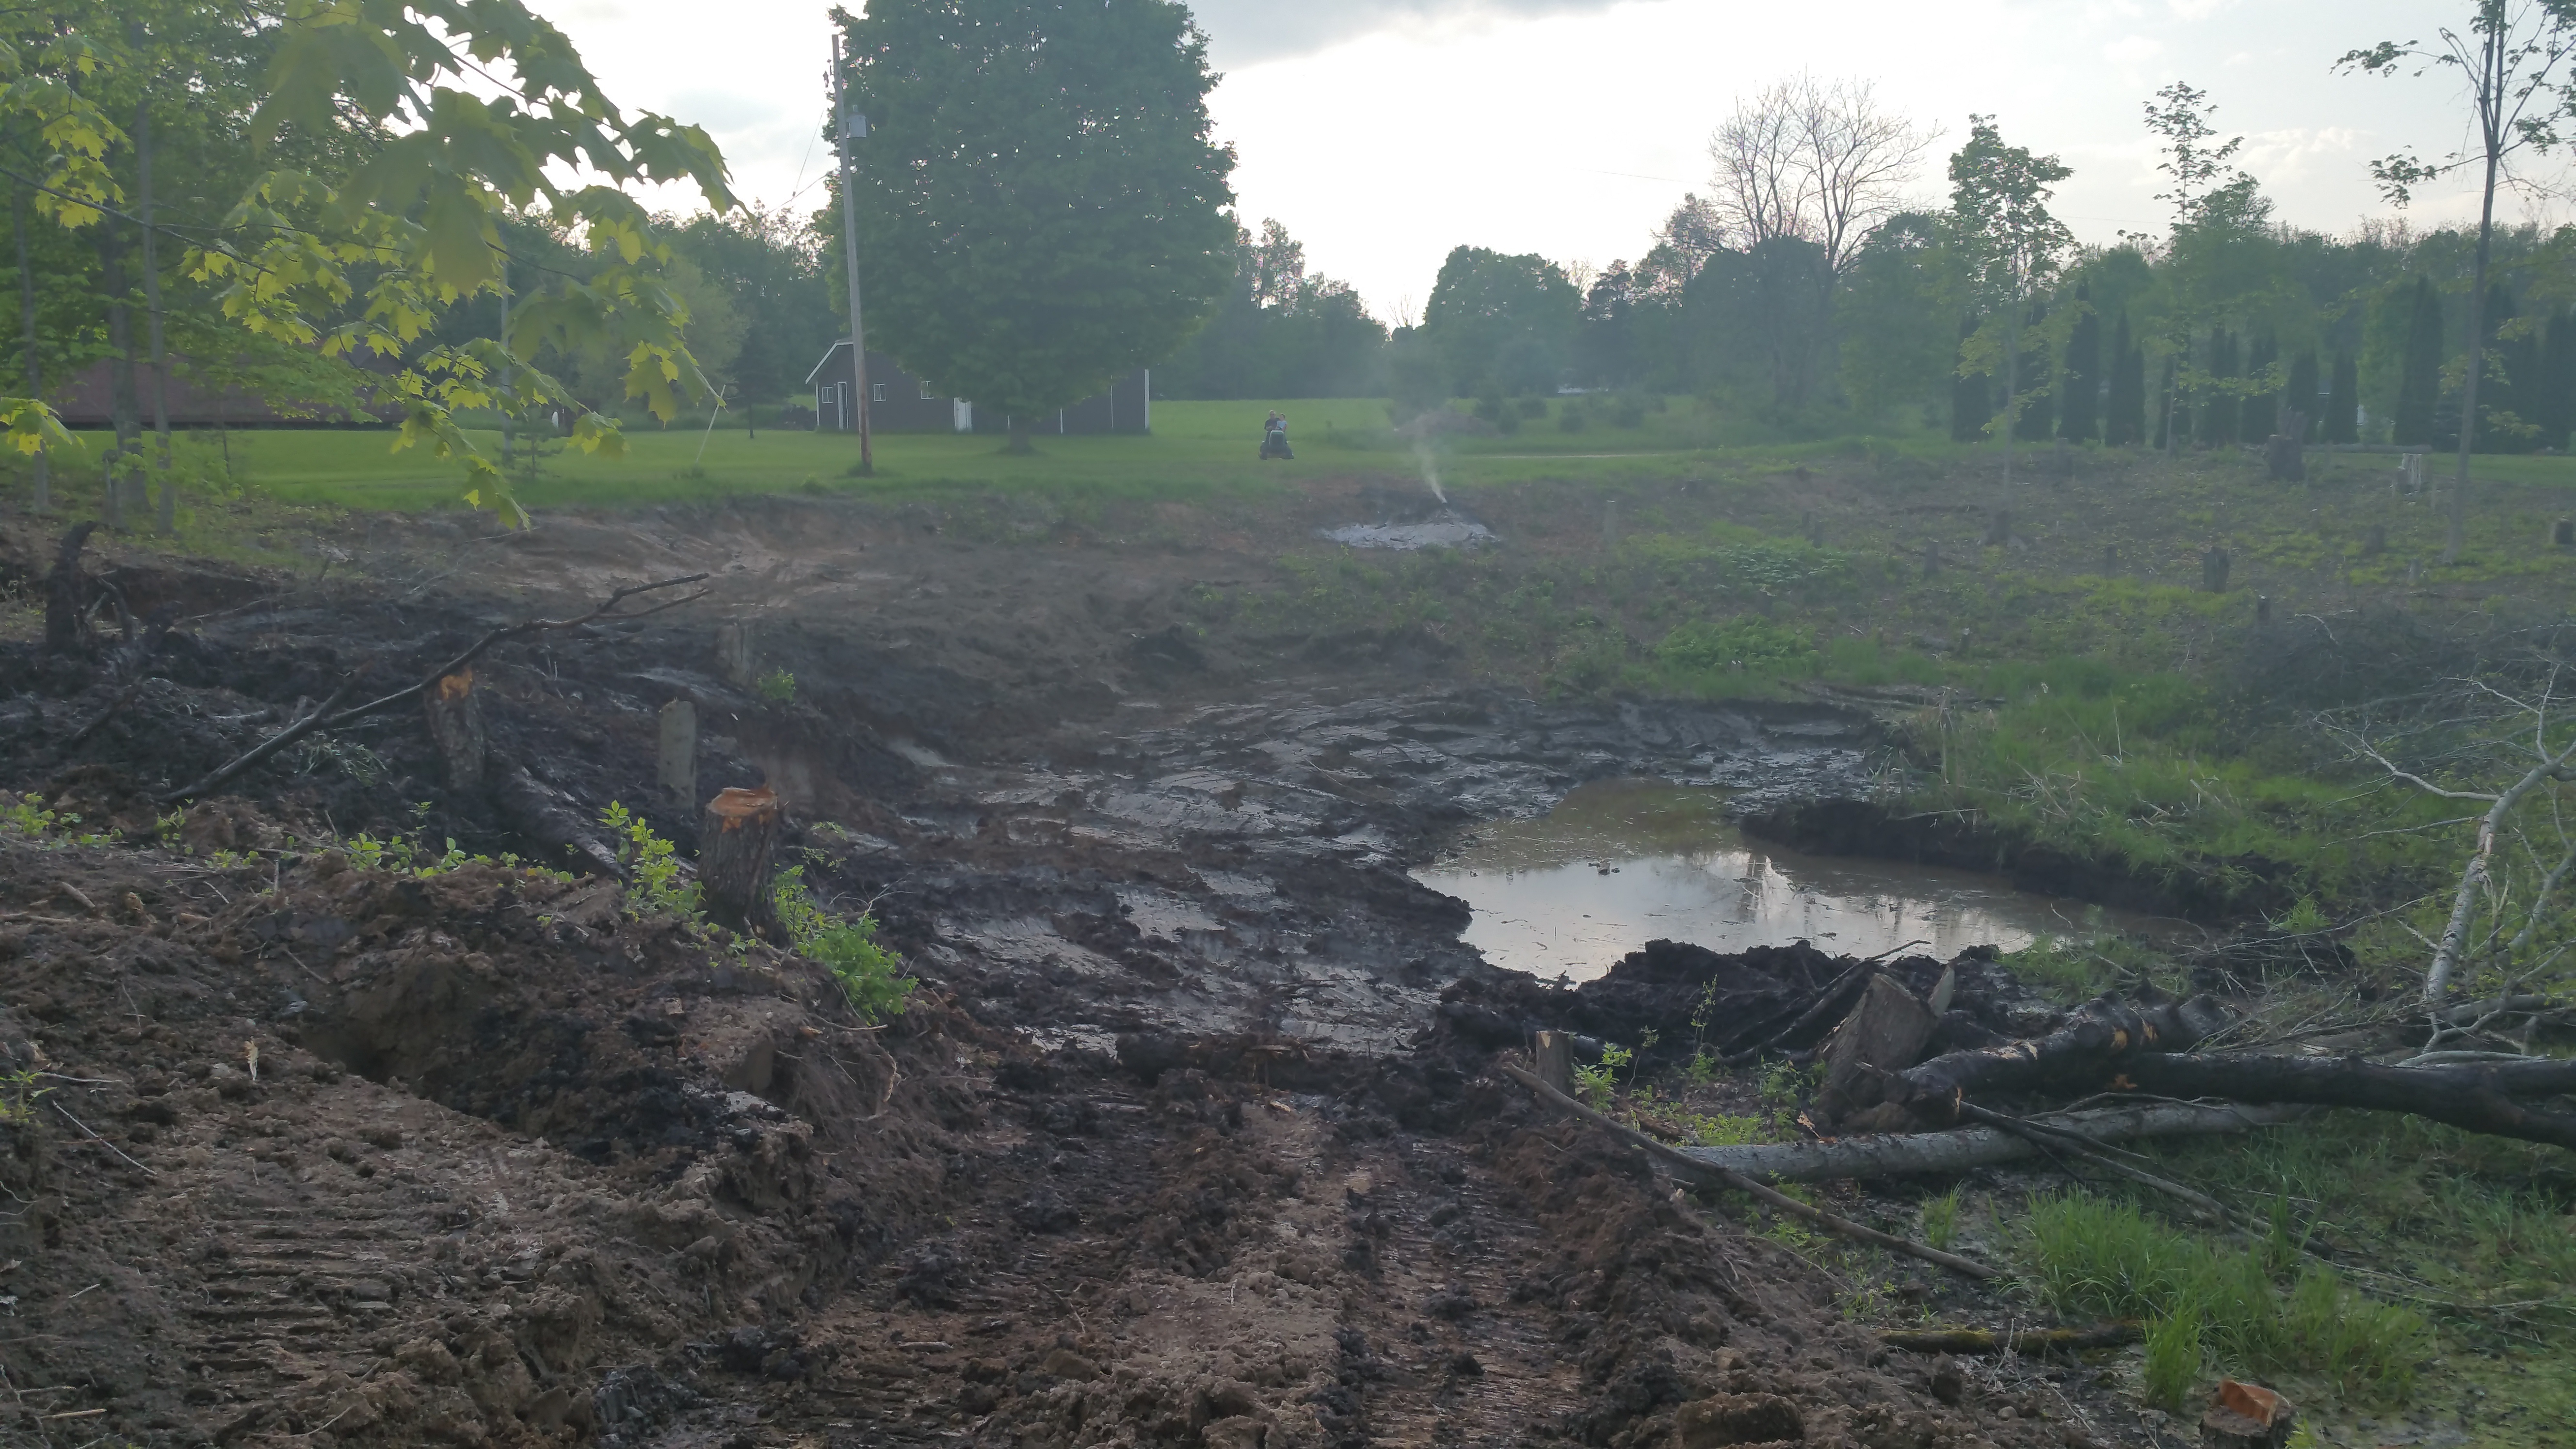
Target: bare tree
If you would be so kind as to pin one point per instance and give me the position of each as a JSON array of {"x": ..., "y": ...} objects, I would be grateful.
[{"x": 1816, "y": 160}]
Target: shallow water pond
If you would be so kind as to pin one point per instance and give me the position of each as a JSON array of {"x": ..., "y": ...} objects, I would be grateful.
[{"x": 1619, "y": 863}]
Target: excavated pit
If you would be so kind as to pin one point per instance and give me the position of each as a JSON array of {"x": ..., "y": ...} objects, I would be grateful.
[{"x": 1188, "y": 1138}]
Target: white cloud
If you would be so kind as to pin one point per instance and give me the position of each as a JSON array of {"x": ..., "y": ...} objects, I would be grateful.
[{"x": 2131, "y": 51}]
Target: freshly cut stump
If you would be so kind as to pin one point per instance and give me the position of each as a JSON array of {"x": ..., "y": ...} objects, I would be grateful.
[
  {"x": 455, "y": 719},
  {"x": 736, "y": 849}
]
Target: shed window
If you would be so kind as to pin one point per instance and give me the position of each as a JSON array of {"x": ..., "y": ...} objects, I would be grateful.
[
  {"x": 926, "y": 393},
  {"x": 876, "y": 392}
]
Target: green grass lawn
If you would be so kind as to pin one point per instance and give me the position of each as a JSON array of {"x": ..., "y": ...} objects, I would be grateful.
[{"x": 1196, "y": 448}]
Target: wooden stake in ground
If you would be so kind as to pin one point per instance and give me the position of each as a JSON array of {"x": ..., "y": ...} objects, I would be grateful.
[
  {"x": 736, "y": 849},
  {"x": 679, "y": 752},
  {"x": 734, "y": 652},
  {"x": 455, "y": 719},
  {"x": 1553, "y": 1056}
]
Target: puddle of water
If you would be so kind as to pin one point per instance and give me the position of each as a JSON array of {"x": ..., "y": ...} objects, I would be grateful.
[{"x": 1619, "y": 863}]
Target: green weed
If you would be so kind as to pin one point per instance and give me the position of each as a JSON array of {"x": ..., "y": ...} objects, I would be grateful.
[
  {"x": 19, "y": 1094},
  {"x": 2173, "y": 1358},
  {"x": 1941, "y": 1219},
  {"x": 777, "y": 686},
  {"x": 1596, "y": 1083}
]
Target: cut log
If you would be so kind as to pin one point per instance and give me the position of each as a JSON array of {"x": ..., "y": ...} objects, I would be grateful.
[
  {"x": 1897, "y": 1154},
  {"x": 2478, "y": 1096},
  {"x": 678, "y": 755},
  {"x": 1885, "y": 1033},
  {"x": 2104, "y": 1035},
  {"x": 1725, "y": 1177},
  {"x": 67, "y": 594},
  {"x": 1553, "y": 1058},
  {"x": 2031, "y": 1341},
  {"x": 456, "y": 731},
  {"x": 736, "y": 849}
]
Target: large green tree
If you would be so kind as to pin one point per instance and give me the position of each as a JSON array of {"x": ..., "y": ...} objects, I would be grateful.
[
  {"x": 462, "y": 113},
  {"x": 1502, "y": 323},
  {"x": 1041, "y": 205}
]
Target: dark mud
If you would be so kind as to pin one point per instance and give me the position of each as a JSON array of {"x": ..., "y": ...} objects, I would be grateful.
[{"x": 1190, "y": 1137}]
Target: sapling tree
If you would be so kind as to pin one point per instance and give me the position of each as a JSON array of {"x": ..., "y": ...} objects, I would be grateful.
[
  {"x": 2215, "y": 267},
  {"x": 2012, "y": 248},
  {"x": 2516, "y": 60}
]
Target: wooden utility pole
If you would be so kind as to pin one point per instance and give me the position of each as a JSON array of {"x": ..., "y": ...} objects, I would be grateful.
[
  {"x": 850, "y": 129},
  {"x": 169, "y": 500}
]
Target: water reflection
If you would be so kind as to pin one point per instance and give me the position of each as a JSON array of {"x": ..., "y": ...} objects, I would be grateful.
[{"x": 1620, "y": 863}]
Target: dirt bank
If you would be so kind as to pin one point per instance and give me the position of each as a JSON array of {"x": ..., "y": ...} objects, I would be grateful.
[{"x": 1176, "y": 1144}]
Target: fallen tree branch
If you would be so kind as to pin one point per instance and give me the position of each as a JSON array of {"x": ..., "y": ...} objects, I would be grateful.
[
  {"x": 2032, "y": 1341},
  {"x": 2057, "y": 1139},
  {"x": 267, "y": 747},
  {"x": 512, "y": 631},
  {"x": 322, "y": 718},
  {"x": 1727, "y": 1177},
  {"x": 1895, "y": 1154}
]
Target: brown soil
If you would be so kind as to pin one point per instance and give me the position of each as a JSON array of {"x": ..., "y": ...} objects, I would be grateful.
[{"x": 1177, "y": 1145}]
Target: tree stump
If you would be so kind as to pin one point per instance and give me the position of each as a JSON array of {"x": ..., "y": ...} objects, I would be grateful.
[
  {"x": 2562, "y": 534},
  {"x": 456, "y": 730},
  {"x": 1610, "y": 523},
  {"x": 2110, "y": 560},
  {"x": 67, "y": 594},
  {"x": 2284, "y": 457},
  {"x": 678, "y": 755},
  {"x": 1888, "y": 1031},
  {"x": 734, "y": 653},
  {"x": 2213, "y": 571},
  {"x": 1552, "y": 1059},
  {"x": 2246, "y": 1416},
  {"x": 2375, "y": 543},
  {"x": 736, "y": 848},
  {"x": 1999, "y": 528},
  {"x": 1931, "y": 560},
  {"x": 2262, "y": 608}
]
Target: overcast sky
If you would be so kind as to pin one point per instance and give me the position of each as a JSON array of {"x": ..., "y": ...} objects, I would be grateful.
[{"x": 1385, "y": 132}]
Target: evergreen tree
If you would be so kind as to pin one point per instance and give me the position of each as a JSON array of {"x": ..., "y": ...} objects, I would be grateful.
[
  {"x": 2258, "y": 418},
  {"x": 2218, "y": 415},
  {"x": 2165, "y": 406},
  {"x": 2124, "y": 422},
  {"x": 2419, "y": 379},
  {"x": 2301, "y": 391},
  {"x": 2036, "y": 421},
  {"x": 2554, "y": 410},
  {"x": 1972, "y": 403},
  {"x": 2079, "y": 383},
  {"x": 2343, "y": 400}
]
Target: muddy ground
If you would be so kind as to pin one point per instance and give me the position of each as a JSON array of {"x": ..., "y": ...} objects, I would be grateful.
[{"x": 1190, "y": 1136}]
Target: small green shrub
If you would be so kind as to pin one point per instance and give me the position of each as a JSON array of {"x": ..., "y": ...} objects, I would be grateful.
[
  {"x": 1532, "y": 407},
  {"x": 1723, "y": 1130},
  {"x": 1594, "y": 1084},
  {"x": 1571, "y": 419},
  {"x": 653, "y": 886},
  {"x": 1757, "y": 644},
  {"x": 1941, "y": 1219},
  {"x": 871, "y": 976},
  {"x": 777, "y": 686}
]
